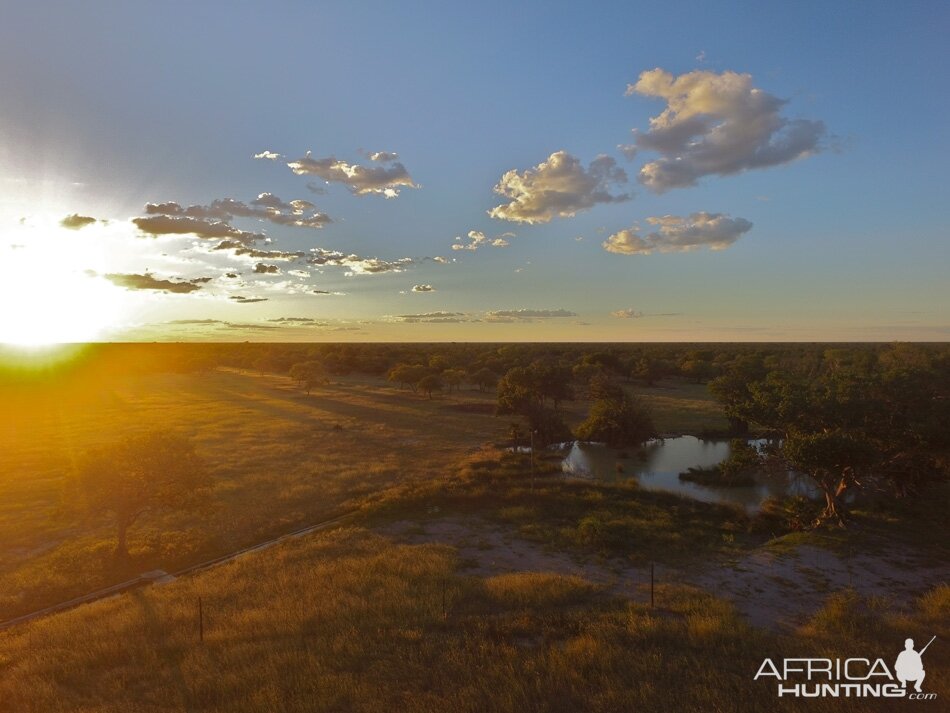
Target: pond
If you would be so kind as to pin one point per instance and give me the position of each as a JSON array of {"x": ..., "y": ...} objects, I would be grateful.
[{"x": 658, "y": 463}]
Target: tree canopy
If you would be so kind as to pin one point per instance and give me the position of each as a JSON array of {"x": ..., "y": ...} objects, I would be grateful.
[{"x": 138, "y": 474}]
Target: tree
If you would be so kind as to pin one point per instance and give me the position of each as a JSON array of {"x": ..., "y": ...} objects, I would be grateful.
[
  {"x": 308, "y": 374},
  {"x": 518, "y": 391},
  {"x": 617, "y": 421},
  {"x": 855, "y": 418},
  {"x": 453, "y": 378},
  {"x": 430, "y": 383},
  {"x": 484, "y": 379},
  {"x": 547, "y": 425},
  {"x": 139, "y": 474},
  {"x": 408, "y": 375}
]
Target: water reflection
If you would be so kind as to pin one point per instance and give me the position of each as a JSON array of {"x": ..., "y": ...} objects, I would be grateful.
[{"x": 657, "y": 466}]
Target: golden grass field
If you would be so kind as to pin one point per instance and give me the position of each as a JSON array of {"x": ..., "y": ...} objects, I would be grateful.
[
  {"x": 349, "y": 621},
  {"x": 279, "y": 458},
  {"x": 353, "y": 619}
]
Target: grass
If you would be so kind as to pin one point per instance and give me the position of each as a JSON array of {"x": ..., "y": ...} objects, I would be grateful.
[
  {"x": 278, "y": 460},
  {"x": 348, "y": 620},
  {"x": 678, "y": 407},
  {"x": 599, "y": 518}
]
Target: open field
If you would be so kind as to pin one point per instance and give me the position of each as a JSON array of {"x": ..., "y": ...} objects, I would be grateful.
[
  {"x": 278, "y": 457},
  {"x": 350, "y": 620},
  {"x": 545, "y": 580}
]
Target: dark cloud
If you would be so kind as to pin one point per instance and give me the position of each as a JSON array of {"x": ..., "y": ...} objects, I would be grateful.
[
  {"x": 157, "y": 225},
  {"x": 262, "y": 269},
  {"x": 147, "y": 281},
  {"x": 247, "y": 300},
  {"x": 297, "y": 213},
  {"x": 76, "y": 221}
]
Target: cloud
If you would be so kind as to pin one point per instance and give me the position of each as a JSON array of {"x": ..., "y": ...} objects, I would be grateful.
[
  {"x": 506, "y": 314},
  {"x": 208, "y": 229},
  {"x": 298, "y": 213},
  {"x": 259, "y": 254},
  {"x": 423, "y": 288},
  {"x": 247, "y": 300},
  {"x": 440, "y": 317},
  {"x": 717, "y": 124},
  {"x": 559, "y": 187},
  {"x": 76, "y": 221},
  {"x": 713, "y": 230},
  {"x": 262, "y": 269},
  {"x": 195, "y": 321},
  {"x": 383, "y": 156},
  {"x": 295, "y": 320},
  {"x": 357, "y": 265},
  {"x": 237, "y": 325},
  {"x": 148, "y": 282},
  {"x": 627, "y": 314},
  {"x": 268, "y": 155},
  {"x": 477, "y": 239},
  {"x": 384, "y": 180},
  {"x": 629, "y": 151}
]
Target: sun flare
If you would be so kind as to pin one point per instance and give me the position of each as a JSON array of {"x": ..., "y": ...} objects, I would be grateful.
[{"x": 47, "y": 298}]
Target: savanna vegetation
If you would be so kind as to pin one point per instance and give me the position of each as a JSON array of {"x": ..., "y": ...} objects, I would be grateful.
[{"x": 128, "y": 458}]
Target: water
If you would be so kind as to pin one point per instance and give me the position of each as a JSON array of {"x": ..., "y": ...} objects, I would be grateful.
[{"x": 657, "y": 466}]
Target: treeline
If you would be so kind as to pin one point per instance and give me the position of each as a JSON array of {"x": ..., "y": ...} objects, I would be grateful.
[{"x": 645, "y": 363}]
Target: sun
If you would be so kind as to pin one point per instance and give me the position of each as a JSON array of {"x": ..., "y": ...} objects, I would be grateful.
[{"x": 48, "y": 297}]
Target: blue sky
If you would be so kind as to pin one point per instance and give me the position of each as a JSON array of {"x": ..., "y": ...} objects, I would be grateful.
[{"x": 110, "y": 106}]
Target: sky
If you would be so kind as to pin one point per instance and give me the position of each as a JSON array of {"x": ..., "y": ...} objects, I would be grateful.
[{"x": 492, "y": 171}]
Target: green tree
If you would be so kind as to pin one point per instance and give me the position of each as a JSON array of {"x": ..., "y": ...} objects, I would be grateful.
[
  {"x": 484, "y": 379},
  {"x": 429, "y": 383},
  {"x": 617, "y": 421},
  {"x": 308, "y": 374},
  {"x": 453, "y": 378},
  {"x": 408, "y": 375},
  {"x": 139, "y": 474}
]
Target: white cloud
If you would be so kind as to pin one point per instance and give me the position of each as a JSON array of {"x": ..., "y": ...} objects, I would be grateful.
[
  {"x": 385, "y": 180},
  {"x": 629, "y": 151},
  {"x": 559, "y": 187},
  {"x": 423, "y": 288},
  {"x": 627, "y": 314},
  {"x": 502, "y": 315},
  {"x": 477, "y": 239},
  {"x": 675, "y": 234},
  {"x": 717, "y": 124},
  {"x": 267, "y": 155}
]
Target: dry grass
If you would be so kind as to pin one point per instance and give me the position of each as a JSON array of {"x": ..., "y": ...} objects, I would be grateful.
[
  {"x": 347, "y": 620},
  {"x": 279, "y": 459}
]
